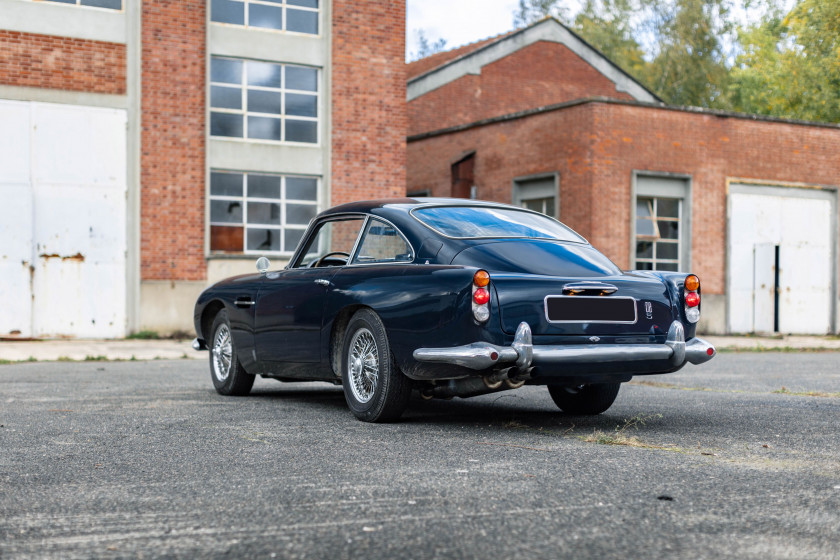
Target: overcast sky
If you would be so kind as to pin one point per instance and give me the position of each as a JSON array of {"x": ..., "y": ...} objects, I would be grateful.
[
  {"x": 465, "y": 21},
  {"x": 458, "y": 21}
]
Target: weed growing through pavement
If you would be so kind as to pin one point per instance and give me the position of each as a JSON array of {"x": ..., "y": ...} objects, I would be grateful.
[{"x": 620, "y": 436}]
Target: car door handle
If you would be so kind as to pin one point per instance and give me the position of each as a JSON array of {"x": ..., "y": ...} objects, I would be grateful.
[
  {"x": 244, "y": 302},
  {"x": 322, "y": 282}
]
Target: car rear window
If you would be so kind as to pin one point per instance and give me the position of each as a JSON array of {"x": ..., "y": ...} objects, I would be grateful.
[{"x": 488, "y": 222}]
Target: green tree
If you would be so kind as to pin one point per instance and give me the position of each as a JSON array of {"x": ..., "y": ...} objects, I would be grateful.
[
  {"x": 790, "y": 65},
  {"x": 426, "y": 47},
  {"x": 530, "y": 11},
  {"x": 688, "y": 63},
  {"x": 608, "y": 25}
]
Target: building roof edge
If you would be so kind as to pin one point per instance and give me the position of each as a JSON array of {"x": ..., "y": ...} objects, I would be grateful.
[{"x": 610, "y": 101}]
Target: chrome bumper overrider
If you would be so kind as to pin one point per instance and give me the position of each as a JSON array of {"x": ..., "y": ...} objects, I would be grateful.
[{"x": 523, "y": 354}]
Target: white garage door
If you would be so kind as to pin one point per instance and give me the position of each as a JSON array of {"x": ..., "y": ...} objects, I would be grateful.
[
  {"x": 62, "y": 220},
  {"x": 781, "y": 260}
]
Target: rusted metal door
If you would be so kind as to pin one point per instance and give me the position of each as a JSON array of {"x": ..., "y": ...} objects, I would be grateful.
[
  {"x": 781, "y": 259},
  {"x": 68, "y": 222},
  {"x": 16, "y": 267}
]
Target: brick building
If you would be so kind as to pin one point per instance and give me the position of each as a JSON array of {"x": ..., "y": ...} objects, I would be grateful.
[
  {"x": 540, "y": 119},
  {"x": 148, "y": 148}
]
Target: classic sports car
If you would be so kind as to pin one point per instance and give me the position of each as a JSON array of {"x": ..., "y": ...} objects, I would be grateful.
[{"x": 451, "y": 298}]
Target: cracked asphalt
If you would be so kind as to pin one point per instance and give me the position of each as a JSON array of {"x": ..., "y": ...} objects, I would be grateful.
[{"x": 145, "y": 460}]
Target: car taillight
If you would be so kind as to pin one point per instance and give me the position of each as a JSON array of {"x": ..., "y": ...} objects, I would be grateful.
[
  {"x": 481, "y": 296},
  {"x": 692, "y": 298},
  {"x": 481, "y": 278}
]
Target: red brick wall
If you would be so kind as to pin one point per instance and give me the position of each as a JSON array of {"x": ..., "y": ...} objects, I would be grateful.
[
  {"x": 709, "y": 148},
  {"x": 595, "y": 148},
  {"x": 540, "y": 74},
  {"x": 172, "y": 161},
  {"x": 44, "y": 61},
  {"x": 368, "y": 100}
]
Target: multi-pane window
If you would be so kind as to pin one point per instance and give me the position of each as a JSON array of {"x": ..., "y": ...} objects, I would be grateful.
[
  {"x": 258, "y": 212},
  {"x": 263, "y": 100},
  {"x": 544, "y": 205},
  {"x": 109, "y": 4},
  {"x": 300, "y": 16},
  {"x": 537, "y": 193},
  {"x": 658, "y": 233}
]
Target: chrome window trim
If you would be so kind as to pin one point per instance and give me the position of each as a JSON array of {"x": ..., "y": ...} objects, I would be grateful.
[
  {"x": 316, "y": 223},
  {"x": 350, "y": 263},
  {"x": 582, "y": 241}
]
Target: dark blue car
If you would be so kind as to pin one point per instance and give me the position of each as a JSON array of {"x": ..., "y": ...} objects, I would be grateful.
[{"x": 449, "y": 298}]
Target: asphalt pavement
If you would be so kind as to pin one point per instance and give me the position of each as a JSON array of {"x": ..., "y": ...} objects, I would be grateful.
[
  {"x": 737, "y": 458},
  {"x": 164, "y": 349}
]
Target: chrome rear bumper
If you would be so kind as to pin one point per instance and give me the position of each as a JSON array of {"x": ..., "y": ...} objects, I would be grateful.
[{"x": 523, "y": 354}]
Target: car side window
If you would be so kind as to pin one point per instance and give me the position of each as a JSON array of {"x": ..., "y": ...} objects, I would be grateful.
[
  {"x": 332, "y": 243},
  {"x": 382, "y": 243}
]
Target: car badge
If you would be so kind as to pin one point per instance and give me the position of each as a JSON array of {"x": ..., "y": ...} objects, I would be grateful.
[
  {"x": 648, "y": 310},
  {"x": 594, "y": 338}
]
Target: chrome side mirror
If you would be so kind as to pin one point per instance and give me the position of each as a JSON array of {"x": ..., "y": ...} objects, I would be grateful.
[{"x": 263, "y": 264}]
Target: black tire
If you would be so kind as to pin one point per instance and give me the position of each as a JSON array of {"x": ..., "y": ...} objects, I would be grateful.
[
  {"x": 229, "y": 378},
  {"x": 374, "y": 387},
  {"x": 584, "y": 399}
]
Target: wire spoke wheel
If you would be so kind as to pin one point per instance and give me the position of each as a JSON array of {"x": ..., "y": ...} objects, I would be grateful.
[
  {"x": 374, "y": 387},
  {"x": 227, "y": 373},
  {"x": 363, "y": 365},
  {"x": 222, "y": 353}
]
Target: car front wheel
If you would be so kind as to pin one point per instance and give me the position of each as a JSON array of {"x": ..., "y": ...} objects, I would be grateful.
[
  {"x": 229, "y": 378},
  {"x": 584, "y": 399},
  {"x": 375, "y": 389}
]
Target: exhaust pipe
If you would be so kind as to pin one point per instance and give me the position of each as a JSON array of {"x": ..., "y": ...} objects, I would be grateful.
[{"x": 475, "y": 386}]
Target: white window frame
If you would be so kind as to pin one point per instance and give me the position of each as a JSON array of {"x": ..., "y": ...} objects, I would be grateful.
[
  {"x": 79, "y": 3},
  {"x": 284, "y": 5},
  {"x": 522, "y": 191},
  {"x": 282, "y": 227},
  {"x": 282, "y": 117},
  {"x": 675, "y": 186}
]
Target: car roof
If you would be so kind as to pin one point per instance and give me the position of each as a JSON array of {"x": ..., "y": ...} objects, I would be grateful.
[{"x": 407, "y": 203}]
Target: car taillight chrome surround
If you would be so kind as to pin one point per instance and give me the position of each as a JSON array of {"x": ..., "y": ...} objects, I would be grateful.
[
  {"x": 691, "y": 298},
  {"x": 481, "y": 296}
]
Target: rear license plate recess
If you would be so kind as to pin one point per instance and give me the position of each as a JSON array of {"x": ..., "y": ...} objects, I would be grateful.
[{"x": 590, "y": 309}]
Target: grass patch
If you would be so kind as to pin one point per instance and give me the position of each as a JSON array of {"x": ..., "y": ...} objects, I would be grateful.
[
  {"x": 144, "y": 335},
  {"x": 662, "y": 385},
  {"x": 786, "y": 391},
  {"x": 90, "y": 358},
  {"x": 154, "y": 335},
  {"x": 621, "y": 435}
]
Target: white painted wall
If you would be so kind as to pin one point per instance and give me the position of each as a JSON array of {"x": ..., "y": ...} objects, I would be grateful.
[
  {"x": 801, "y": 225},
  {"x": 66, "y": 219},
  {"x": 15, "y": 220}
]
